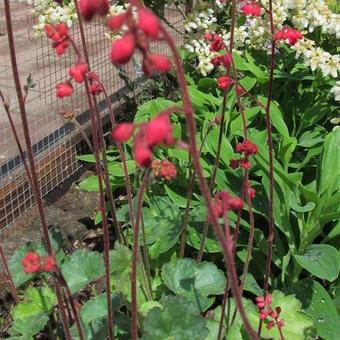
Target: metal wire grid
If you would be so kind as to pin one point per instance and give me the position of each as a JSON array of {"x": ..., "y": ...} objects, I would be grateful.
[{"x": 54, "y": 142}]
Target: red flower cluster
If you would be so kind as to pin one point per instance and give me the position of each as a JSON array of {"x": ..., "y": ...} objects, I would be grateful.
[
  {"x": 223, "y": 203},
  {"x": 89, "y": 8},
  {"x": 251, "y": 9},
  {"x": 264, "y": 306},
  {"x": 224, "y": 82},
  {"x": 224, "y": 60},
  {"x": 164, "y": 169},
  {"x": 216, "y": 42},
  {"x": 59, "y": 35},
  {"x": 33, "y": 263},
  {"x": 289, "y": 34},
  {"x": 140, "y": 33},
  {"x": 247, "y": 148},
  {"x": 157, "y": 132}
]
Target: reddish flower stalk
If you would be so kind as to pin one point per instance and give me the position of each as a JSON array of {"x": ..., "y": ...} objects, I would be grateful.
[
  {"x": 135, "y": 249},
  {"x": 96, "y": 145},
  {"x": 227, "y": 243},
  {"x": 271, "y": 160},
  {"x": 33, "y": 172}
]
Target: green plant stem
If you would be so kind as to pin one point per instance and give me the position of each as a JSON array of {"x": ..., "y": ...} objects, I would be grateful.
[{"x": 135, "y": 248}]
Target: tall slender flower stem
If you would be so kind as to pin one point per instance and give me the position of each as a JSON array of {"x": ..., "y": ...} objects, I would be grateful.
[
  {"x": 214, "y": 173},
  {"x": 189, "y": 198},
  {"x": 270, "y": 154},
  {"x": 33, "y": 172},
  {"x": 96, "y": 144},
  {"x": 271, "y": 159},
  {"x": 135, "y": 249},
  {"x": 227, "y": 243}
]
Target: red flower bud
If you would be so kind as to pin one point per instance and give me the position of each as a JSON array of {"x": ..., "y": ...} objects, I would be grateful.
[
  {"x": 122, "y": 132},
  {"x": 142, "y": 154},
  {"x": 78, "y": 72},
  {"x": 235, "y": 203},
  {"x": 122, "y": 49},
  {"x": 234, "y": 163},
  {"x": 159, "y": 131},
  {"x": 148, "y": 23},
  {"x": 31, "y": 262},
  {"x": 251, "y": 9},
  {"x": 208, "y": 36},
  {"x": 156, "y": 63},
  {"x": 60, "y": 47},
  {"x": 116, "y": 22},
  {"x": 48, "y": 263},
  {"x": 95, "y": 88},
  {"x": 89, "y": 8},
  {"x": 224, "y": 82},
  {"x": 64, "y": 89}
]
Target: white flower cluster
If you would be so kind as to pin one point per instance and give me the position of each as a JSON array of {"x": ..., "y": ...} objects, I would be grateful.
[
  {"x": 336, "y": 91},
  {"x": 50, "y": 12},
  {"x": 201, "y": 49},
  {"x": 317, "y": 58},
  {"x": 201, "y": 22}
]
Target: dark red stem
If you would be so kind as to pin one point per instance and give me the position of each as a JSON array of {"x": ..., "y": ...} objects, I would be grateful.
[
  {"x": 135, "y": 248},
  {"x": 227, "y": 243},
  {"x": 33, "y": 173}
]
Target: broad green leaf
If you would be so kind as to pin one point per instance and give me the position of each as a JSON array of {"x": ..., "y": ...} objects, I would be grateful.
[
  {"x": 151, "y": 108},
  {"x": 178, "y": 320},
  {"x": 120, "y": 268},
  {"x": 276, "y": 117},
  {"x": 297, "y": 324},
  {"x": 117, "y": 170},
  {"x": 90, "y": 184},
  {"x": 250, "y": 113},
  {"x": 328, "y": 178},
  {"x": 163, "y": 223},
  {"x": 321, "y": 260},
  {"x": 29, "y": 326},
  {"x": 93, "y": 315},
  {"x": 36, "y": 300},
  {"x": 194, "y": 281},
  {"x": 81, "y": 268},
  {"x": 250, "y": 285},
  {"x": 194, "y": 240},
  {"x": 317, "y": 303}
]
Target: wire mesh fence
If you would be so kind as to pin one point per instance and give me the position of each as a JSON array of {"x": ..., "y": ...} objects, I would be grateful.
[{"x": 54, "y": 141}]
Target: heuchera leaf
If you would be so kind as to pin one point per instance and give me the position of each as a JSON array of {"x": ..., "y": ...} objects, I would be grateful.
[
  {"x": 178, "y": 320},
  {"x": 81, "y": 268},
  {"x": 194, "y": 281}
]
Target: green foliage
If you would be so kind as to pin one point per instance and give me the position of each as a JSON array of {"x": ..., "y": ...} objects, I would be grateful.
[
  {"x": 178, "y": 319},
  {"x": 197, "y": 282},
  {"x": 81, "y": 268}
]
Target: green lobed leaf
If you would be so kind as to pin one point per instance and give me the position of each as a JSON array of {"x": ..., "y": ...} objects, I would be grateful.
[
  {"x": 82, "y": 267},
  {"x": 194, "y": 281},
  {"x": 178, "y": 320},
  {"x": 36, "y": 300},
  {"x": 29, "y": 326}
]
